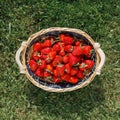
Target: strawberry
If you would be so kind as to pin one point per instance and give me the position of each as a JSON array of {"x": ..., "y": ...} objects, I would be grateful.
[
  {"x": 73, "y": 80},
  {"x": 47, "y": 43},
  {"x": 57, "y": 59},
  {"x": 68, "y": 40},
  {"x": 43, "y": 57},
  {"x": 77, "y": 51},
  {"x": 33, "y": 65},
  {"x": 74, "y": 71},
  {"x": 72, "y": 59},
  {"x": 65, "y": 77},
  {"x": 56, "y": 80},
  {"x": 41, "y": 64},
  {"x": 65, "y": 59},
  {"x": 80, "y": 75},
  {"x": 49, "y": 68},
  {"x": 56, "y": 47},
  {"x": 62, "y": 37},
  {"x": 51, "y": 55},
  {"x": 77, "y": 43},
  {"x": 61, "y": 69},
  {"x": 46, "y": 74},
  {"x": 67, "y": 68},
  {"x": 87, "y": 50},
  {"x": 46, "y": 50},
  {"x": 62, "y": 52},
  {"x": 61, "y": 44},
  {"x": 55, "y": 73},
  {"x": 89, "y": 63},
  {"x": 36, "y": 55},
  {"x": 68, "y": 48},
  {"x": 37, "y": 46},
  {"x": 39, "y": 72}
]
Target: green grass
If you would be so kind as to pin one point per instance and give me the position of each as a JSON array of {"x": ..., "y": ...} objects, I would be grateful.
[{"x": 21, "y": 100}]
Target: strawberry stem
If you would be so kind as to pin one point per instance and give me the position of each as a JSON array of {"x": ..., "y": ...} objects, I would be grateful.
[
  {"x": 48, "y": 71},
  {"x": 76, "y": 65},
  {"x": 39, "y": 62},
  {"x": 53, "y": 42},
  {"x": 49, "y": 78}
]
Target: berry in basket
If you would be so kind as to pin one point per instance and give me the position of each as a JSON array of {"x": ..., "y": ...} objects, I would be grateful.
[{"x": 61, "y": 59}]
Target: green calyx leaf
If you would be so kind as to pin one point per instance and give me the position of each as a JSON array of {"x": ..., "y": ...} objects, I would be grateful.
[
  {"x": 53, "y": 42},
  {"x": 48, "y": 71},
  {"x": 39, "y": 62},
  {"x": 76, "y": 65},
  {"x": 49, "y": 78},
  {"x": 83, "y": 65}
]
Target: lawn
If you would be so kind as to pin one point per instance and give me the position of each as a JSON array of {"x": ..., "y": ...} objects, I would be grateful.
[{"x": 21, "y": 100}]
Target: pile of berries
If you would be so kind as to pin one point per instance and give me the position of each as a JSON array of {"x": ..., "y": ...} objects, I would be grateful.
[{"x": 61, "y": 59}]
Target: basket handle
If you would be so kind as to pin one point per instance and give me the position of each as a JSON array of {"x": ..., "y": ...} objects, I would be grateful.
[
  {"x": 17, "y": 57},
  {"x": 102, "y": 57}
]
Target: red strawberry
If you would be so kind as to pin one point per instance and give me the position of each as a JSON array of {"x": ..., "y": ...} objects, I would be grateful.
[
  {"x": 33, "y": 65},
  {"x": 39, "y": 72},
  {"x": 67, "y": 68},
  {"x": 77, "y": 43},
  {"x": 46, "y": 50},
  {"x": 56, "y": 47},
  {"x": 80, "y": 75},
  {"x": 43, "y": 57},
  {"x": 47, "y": 43},
  {"x": 57, "y": 59},
  {"x": 72, "y": 59},
  {"x": 62, "y": 37},
  {"x": 62, "y": 52},
  {"x": 61, "y": 69},
  {"x": 77, "y": 51},
  {"x": 89, "y": 63},
  {"x": 68, "y": 48},
  {"x": 65, "y": 59},
  {"x": 65, "y": 77},
  {"x": 51, "y": 55},
  {"x": 55, "y": 72},
  {"x": 56, "y": 80},
  {"x": 46, "y": 74},
  {"x": 37, "y": 46},
  {"x": 36, "y": 55},
  {"x": 41, "y": 64},
  {"x": 49, "y": 68},
  {"x": 74, "y": 71},
  {"x": 87, "y": 50},
  {"x": 73, "y": 80},
  {"x": 61, "y": 44},
  {"x": 68, "y": 40}
]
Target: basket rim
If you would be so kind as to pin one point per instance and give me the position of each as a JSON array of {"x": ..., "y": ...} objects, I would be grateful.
[{"x": 53, "y": 89}]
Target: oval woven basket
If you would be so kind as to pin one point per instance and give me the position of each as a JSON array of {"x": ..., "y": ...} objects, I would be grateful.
[{"x": 26, "y": 49}]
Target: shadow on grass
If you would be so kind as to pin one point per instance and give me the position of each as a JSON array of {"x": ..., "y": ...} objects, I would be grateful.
[{"x": 68, "y": 105}]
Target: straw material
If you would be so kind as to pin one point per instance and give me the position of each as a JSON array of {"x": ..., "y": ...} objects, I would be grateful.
[{"x": 51, "y": 89}]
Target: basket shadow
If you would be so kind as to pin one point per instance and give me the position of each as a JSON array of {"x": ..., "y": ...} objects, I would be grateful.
[{"x": 70, "y": 104}]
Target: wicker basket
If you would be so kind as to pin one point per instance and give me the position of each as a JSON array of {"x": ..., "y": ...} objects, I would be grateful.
[{"x": 25, "y": 51}]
